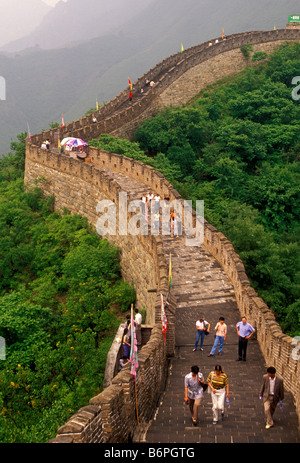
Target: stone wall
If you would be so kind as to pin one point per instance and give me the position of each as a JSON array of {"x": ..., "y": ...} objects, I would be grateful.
[
  {"x": 276, "y": 347},
  {"x": 79, "y": 186},
  {"x": 121, "y": 118},
  {"x": 111, "y": 416}
]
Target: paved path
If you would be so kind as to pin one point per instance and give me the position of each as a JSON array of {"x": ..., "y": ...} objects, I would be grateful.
[{"x": 202, "y": 288}]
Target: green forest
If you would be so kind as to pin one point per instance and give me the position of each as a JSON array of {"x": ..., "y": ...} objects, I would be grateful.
[
  {"x": 236, "y": 146},
  {"x": 61, "y": 301}
]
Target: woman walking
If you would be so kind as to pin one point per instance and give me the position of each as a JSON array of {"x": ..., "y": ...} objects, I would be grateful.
[
  {"x": 218, "y": 382},
  {"x": 193, "y": 387}
]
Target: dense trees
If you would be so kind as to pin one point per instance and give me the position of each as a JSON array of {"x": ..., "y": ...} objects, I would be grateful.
[{"x": 61, "y": 296}]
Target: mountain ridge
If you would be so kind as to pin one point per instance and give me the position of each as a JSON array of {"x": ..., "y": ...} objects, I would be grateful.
[{"x": 43, "y": 84}]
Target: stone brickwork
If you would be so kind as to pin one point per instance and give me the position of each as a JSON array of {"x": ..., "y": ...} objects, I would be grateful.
[
  {"x": 111, "y": 416},
  {"x": 121, "y": 118},
  {"x": 79, "y": 186}
]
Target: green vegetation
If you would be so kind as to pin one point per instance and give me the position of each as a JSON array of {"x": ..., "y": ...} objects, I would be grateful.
[
  {"x": 236, "y": 146},
  {"x": 61, "y": 298}
]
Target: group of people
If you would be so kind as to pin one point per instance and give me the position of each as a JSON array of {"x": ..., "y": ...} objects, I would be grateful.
[
  {"x": 271, "y": 392},
  {"x": 170, "y": 221},
  {"x": 46, "y": 144},
  {"x": 244, "y": 331},
  {"x": 148, "y": 83},
  {"x": 194, "y": 386},
  {"x": 126, "y": 338}
]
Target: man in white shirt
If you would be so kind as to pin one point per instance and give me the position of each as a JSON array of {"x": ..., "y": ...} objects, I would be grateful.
[{"x": 201, "y": 326}]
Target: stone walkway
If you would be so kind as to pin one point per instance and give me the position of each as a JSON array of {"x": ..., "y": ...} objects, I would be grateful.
[{"x": 202, "y": 288}]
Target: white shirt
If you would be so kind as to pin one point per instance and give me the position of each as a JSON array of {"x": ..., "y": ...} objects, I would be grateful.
[
  {"x": 200, "y": 325},
  {"x": 138, "y": 318},
  {"x": 272, "y": 386}
]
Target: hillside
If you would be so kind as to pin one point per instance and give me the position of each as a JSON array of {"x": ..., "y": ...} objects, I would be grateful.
[
  {"x": 43, "y": 84},
  {"x": 20, "y": 18},
  {"x": 76, "y": 21}
]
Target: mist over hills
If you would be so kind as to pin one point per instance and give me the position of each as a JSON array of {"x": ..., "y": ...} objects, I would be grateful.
[
  {"x": 43, "y": 84},
  {"x": 20, "y": 18},
  {"x": 77, "y": 21}
]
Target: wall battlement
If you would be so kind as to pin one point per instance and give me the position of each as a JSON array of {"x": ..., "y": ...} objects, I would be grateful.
[{"x": 78, "y": 186}]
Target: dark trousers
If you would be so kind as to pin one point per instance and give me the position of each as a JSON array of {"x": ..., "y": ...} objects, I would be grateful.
[{"x": 243, "y": 342}]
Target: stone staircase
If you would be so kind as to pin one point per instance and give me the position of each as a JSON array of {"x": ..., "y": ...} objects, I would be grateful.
[{"x": 201, "y": 287}]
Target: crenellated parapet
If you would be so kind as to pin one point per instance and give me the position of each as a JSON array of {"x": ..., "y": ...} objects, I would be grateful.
[{"x": 79, "y": 185}]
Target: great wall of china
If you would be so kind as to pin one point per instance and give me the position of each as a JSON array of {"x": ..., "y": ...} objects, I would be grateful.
[{"x": 79, "y": 185}]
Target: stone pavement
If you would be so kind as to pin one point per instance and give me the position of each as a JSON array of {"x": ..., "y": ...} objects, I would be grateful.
[{"x": 201, "y": 287}]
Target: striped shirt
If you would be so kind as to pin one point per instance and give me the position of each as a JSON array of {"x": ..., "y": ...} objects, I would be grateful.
[{"x": 217, "y": 382}]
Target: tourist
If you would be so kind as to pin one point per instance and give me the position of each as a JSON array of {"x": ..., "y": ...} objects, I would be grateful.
[
  {"x": 138, "y": 327},
  {"x": 271, "y": 392},
  {"x": 137, "y": 317},
  {"x": 143, "y": 203},
  {"x": 156, "y": 222},
  {"x": 218, "y": 382},
  {"x": 221, "y": 333},
  {"x": 244, "y": 331},
  {"x": 193, "y": 387},
  {"x": 156, "y": 202},
  {"x": 150, "y": 196},
  {"x": 130, "y": 96},
  {"x": 126, "y": 340},
  {"x": 172, "y": 219},
  {"x": 123, "y": 361},
  {"x": 202, "y": 327}
]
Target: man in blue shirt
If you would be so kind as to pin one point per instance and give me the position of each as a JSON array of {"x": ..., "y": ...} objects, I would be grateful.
[{"x": 244, "y": 331}]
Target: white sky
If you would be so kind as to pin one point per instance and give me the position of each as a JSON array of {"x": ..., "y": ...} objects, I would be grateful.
[{"x": 52, "y": 2}]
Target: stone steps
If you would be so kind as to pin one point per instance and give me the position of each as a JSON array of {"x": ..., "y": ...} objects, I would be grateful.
[{"x": 201, "y": 287}]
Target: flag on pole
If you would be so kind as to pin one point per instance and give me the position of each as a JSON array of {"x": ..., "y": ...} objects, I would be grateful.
[
  {"x": 223, "y": 33},
  {"x": 133, "y": 349},
  {"x": 62, "y": 121},
  {"x": 59, "y": 146},
  {"x": 170, "y": 272},
  {"x": 97, "y": 106},
  {"x": 29, "y": 134},
  {"x": 274, "y": 27},
  {"x": 182, "y": 49},
  {"x": 164, "y": 321},
  {"x": 129, "y": 83}
]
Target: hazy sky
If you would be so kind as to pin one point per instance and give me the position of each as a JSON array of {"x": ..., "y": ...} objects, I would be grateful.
[{"x": 52, "y": 2}]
